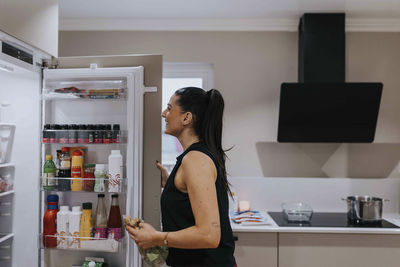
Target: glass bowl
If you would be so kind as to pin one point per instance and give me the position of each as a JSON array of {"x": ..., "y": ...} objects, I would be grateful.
[{"x": 297, "y": 212}]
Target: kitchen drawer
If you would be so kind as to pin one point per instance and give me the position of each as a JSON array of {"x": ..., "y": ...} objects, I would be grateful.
[{"x": 256, "y": 249}]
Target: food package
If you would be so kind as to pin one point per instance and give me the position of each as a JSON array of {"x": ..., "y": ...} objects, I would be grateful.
[{"x": 154, "y": 257}]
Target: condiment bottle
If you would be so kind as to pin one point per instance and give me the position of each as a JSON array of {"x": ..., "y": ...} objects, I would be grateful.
[
  {"x": 88, "y": 177},
  {"x": 50, "y": 222},
  {"x": 114, "y": 171},
  {"x": 62, "y": 227},
  {"x": 77, "y": 170},
  {"x": 74, "y": 227},
  {"x": 101, "y": 218},
  {"x": 65, "y": 170},
  {"x": 114, "y": 219},
  {"x": 100, "y": 175},
  {"x": 86, "y": 226},
  {"x": 116, "y": 134},
  {"x": 49, "y": 174}
]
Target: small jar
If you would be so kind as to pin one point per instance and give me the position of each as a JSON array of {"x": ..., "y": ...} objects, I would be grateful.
[
  {"x": 108, "y": 134},
  {"x": 73, "y": 134},
  {"x": 82, "y": 134},
  {"x": 116, "y": 134},
  {"x": 56, "y": 133},
  {"x": 88, "y": 184},
  {"x": 90, "y": 130},
  {"x": 98, "y": 134},
  {"x": 46, "y": 134},
  {"x": 64, "y": 135}
]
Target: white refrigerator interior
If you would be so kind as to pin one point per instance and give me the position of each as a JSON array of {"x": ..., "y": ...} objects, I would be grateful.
[
  {"x": 80, "y": 108},
  {"x": 29, "y": 101},
  {"x": 20, "y": 99}
]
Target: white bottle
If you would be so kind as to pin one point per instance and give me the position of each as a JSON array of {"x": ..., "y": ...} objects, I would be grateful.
[
  {"x": 114, "y": 171},
  {"x": 233, "y": 202},
  {"x": 63, "y": 227},
  {"x": 74, "y": 227}
]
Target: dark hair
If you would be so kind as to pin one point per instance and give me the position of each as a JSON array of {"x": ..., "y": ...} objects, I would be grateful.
[{"x": 207, "y": 108}]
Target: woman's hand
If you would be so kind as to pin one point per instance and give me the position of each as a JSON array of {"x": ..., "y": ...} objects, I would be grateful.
[
  {"x": 164, "y": 173},
  {"x": 146, "y": 237}
]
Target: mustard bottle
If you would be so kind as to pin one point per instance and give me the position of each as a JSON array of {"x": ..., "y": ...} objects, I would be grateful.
[{"x": 86, "y": 226}]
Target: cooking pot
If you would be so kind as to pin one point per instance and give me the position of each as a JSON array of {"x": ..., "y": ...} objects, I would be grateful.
[{"x": 364, "y": 208}]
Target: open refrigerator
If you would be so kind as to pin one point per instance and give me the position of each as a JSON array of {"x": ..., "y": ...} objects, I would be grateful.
[{"x": 66, "y": 96}]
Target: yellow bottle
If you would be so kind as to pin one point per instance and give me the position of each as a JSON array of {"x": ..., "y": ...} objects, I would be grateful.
[
  {"x": 77, "y": 170},
  {"x": 86, "y": 226}
]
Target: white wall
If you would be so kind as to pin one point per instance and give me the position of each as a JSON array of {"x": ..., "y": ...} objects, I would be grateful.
[{"x": 249, "y": 68}]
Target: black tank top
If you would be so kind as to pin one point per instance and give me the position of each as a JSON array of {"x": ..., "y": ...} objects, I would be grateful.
[{"x": 177, "y": 214}]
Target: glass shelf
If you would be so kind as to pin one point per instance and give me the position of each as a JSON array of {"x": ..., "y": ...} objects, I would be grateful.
[
  {"x": 97, "y": 137},
  {"x": 77, "y": 93},
  {"x": 87, "y": 185},
  {"x": 81, "y": 243},
  {"x": 4, "y": 237},
  {"x": 6, "y": 193}
]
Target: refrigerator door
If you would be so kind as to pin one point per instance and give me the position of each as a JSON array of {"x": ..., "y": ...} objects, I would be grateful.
[{"x": 143, "y": 132}]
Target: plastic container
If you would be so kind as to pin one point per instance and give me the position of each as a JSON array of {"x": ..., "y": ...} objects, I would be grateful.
[
  {"x": 86, "y": 226},
  {"x": 74, "y": 227},
  {"x": 297, "y": 212},
  {"x": 49, "y": 173},
  {"x": 77, "y": 170},
  {"x": 63, "y": 227},
  {"x": 114, "y": 171},
  {"x": 88, "y": 175},
  {"x": 50, "y": 222},
  {"x": 100, "y": 175}
]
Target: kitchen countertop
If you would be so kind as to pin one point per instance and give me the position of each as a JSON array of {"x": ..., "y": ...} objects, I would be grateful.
[{"x": 272, "y": 227}]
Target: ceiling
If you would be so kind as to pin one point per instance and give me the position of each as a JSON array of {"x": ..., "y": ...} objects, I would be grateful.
[{"x": 77, "y": 13}]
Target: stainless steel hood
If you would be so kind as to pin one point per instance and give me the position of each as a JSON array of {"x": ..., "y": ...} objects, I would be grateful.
[{"x": 322, "y": 107}]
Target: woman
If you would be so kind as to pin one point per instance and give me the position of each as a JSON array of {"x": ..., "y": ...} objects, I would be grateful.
[{"x": 194, "y": 203}]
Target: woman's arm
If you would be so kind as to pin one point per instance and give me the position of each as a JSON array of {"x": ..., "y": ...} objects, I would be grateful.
[
  {"x": 164, "y": 173},
  {"x": 199, "y": 174}
]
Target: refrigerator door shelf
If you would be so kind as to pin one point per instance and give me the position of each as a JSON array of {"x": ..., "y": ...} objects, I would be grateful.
[
  {"x": 83, "y": 243},
  {"x": 5, "y": 237},
  {"x": 6, "y": 140},
  {"x": 6, "y": 193},
  {"x": 107, "y": 137},
  {"x": 122, "y": 185},
  {"x": 90, "y": 94}
]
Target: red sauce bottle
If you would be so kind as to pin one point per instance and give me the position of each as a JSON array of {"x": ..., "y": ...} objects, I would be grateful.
[
  {"x": 50, "y": 222},
  {"x": 114, "y": 223}
]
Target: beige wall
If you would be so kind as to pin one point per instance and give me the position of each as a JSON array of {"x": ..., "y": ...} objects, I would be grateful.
[{"x": 249, "y": 68}]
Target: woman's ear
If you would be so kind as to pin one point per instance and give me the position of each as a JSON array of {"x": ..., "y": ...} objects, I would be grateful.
[{"x": 187, "y": 119}]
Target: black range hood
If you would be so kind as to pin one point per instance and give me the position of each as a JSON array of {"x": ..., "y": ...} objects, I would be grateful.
[{"x": 322, "y": 107}]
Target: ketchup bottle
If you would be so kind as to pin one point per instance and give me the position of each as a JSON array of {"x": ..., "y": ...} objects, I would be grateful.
[{"x": 50, "y": 222}]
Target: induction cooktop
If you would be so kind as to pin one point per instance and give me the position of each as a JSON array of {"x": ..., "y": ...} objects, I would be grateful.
[{"x": 328, "y": 219}]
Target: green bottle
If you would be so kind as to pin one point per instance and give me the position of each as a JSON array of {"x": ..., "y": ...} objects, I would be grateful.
[{"x": 49, "y": 172}]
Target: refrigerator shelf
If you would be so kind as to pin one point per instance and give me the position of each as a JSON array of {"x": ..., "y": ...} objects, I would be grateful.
[
  {"x": 5, "y": 165},
  {"x": 90, "y": 94},
  {"x": 6, "y": 193},
  {"x": 60, "y": 180},
  {"x": 4, "y": 237},
  {"x": 72, "y": 243},
  {"x": 100, "y": 137}
]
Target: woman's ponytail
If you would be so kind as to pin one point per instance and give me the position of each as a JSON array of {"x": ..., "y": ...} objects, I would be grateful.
[
  {"x": 207, "y": 109},
  {"x": 212, "y": 131}
]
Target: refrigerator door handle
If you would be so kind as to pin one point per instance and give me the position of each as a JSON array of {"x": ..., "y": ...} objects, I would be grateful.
[{"x": 151, "y": 89}]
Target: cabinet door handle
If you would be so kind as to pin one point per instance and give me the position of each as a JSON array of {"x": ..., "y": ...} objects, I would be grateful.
[{"x": 235, "y": 238}]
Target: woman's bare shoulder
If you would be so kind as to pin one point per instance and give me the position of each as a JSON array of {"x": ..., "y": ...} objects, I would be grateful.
[{"x": 196, "y": 161}]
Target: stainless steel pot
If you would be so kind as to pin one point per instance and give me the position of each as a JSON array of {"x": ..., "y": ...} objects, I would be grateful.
[{"x": 364, "y": 208}]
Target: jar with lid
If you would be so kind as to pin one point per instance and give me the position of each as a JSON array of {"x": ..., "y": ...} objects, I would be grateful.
[
  {"x": 73, "y": 134},
  {"x": 88, "y": 175}
]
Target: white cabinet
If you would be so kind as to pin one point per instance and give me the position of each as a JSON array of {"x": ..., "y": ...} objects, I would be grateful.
[
  {"x": 33, "y": 22},
  {"x": 256, "y": 249},
  {"x": 332, "y": 250}
]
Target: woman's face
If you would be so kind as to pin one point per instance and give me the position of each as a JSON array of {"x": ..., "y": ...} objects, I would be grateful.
[{"x": 174, "y": 117}]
